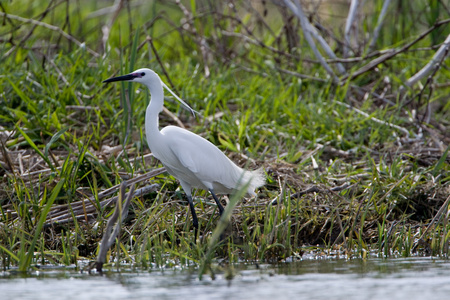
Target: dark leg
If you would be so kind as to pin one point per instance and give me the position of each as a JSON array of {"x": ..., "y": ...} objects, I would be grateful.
[
  {"x": 217, "y": 202},
  {"x": 194, "y": 215},
  {"x": 227, "y": 230}
]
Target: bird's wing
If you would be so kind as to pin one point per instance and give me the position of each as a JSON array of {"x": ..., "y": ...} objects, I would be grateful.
[
  {"x": 201, "y": 157},
  {"x": 186, "y": 158}
]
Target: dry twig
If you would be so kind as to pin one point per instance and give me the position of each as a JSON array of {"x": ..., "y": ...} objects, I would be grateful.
[
  {"x": 436, "y": 219},
  {"x": 53, "y": 28},
  {"x": 111, "y": 231},
  {"x": 308, "y": 32},
  {"x": 437, "y": 57},
  {"x": 391, "y": 53},
  {"x": 376, "y": 32},
  {"x": 106, "y": 29},
  {"x": 349, "y": 24}
]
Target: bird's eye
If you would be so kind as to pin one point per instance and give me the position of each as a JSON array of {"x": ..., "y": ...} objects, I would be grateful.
[{"x": 142, "y": 74}]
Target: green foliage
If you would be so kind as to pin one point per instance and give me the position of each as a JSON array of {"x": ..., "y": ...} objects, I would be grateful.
[{"x": 66, "y": 137}]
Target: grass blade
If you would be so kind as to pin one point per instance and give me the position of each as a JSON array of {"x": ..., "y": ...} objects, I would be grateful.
[
  {"x": 24, "y": 264},
  {"x": 31, "y": 105},
  {"x": 33, "y": 145},
  {"x": 54, "y": 139},
  {"x": 441, "y": 162}
]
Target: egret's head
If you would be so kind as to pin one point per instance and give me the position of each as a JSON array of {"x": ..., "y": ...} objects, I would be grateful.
[
  {"x": 142, "y": 75},
  {"x": 151, "y": 80}
]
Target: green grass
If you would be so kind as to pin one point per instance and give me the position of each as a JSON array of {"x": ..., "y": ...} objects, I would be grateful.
[{"x": 66, "y": 137}]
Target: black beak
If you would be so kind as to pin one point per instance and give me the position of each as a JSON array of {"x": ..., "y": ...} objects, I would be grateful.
[{"x": 120, "y": 78}]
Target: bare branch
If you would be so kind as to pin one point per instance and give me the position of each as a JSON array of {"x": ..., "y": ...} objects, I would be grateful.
[
  {"x": 348, "y": 25},
  {"x": 199, "y": 39},
  {"x": 402, "y": 129},
  {"x": 324, "y": 45},
  {"x": 111, "y": 231},
  {"x": 299, "y": 75},
  {"x": 24, "y": 39},
  {"x": 82, "y": 210},
  {"x": 376, "y": 32},
  {"x": 51, "y": 27},
  {"x": 106, "y": 29},
  {"x": 392, "y": 52},
  {"x": 328, "y": 50},
  {"x": 435, "y": 220},
  {"x": 437, "y": 57},
  {"x": 306, "y": 26}
]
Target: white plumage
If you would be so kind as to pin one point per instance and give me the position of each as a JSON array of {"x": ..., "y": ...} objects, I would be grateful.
[
  {"x": 193, "y": 160},
  {"x": 197, "y": 162}
]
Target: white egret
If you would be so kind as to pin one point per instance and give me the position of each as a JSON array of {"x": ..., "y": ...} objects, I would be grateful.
[{"x": 193, "y": 160}]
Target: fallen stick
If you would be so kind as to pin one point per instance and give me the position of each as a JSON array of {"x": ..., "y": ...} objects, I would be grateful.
[
  {"x": 111, "y": 231},
  {"x": 86, "y": 211}
]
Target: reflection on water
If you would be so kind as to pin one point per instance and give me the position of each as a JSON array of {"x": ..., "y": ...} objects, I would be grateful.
[{"x": 415, "y": 278}]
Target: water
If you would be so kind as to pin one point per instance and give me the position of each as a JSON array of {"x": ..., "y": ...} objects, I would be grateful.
[{"x": 414, "y": 278}]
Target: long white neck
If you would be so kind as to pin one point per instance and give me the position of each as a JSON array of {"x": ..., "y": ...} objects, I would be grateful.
[{"x": 153, "y": 109}]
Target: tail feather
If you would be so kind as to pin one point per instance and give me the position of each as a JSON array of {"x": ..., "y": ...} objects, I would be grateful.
[{"x": 256, "y": 179}]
